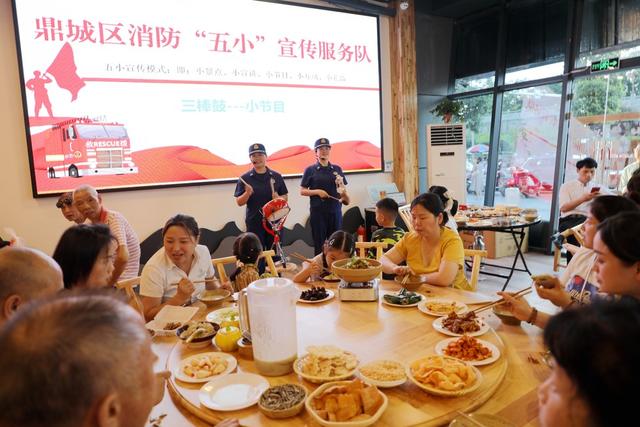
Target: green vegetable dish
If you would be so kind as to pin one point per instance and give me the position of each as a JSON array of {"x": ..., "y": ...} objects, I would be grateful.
[
  {"x": 356, "y": 263},
  {"x": 404, "y": 297}
]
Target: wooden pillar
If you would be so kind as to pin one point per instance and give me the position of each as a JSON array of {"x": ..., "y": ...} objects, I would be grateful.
[{"x": 404, "y": 100}]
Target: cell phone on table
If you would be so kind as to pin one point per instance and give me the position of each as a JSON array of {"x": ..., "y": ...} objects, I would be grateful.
[{"x": 595, "y": 189}]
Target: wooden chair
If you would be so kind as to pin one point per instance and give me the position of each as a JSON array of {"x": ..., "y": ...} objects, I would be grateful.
[
  {"x": 476, "y": 261},
  {"x": 127, "y": 286},
  {"x": 219, "y": 264},
  {"x": 557, "y": 252},
  {"x": 405, "y": 213},
  {"x": 475, "y": 254},
  {"x": 362, "y": 248}
]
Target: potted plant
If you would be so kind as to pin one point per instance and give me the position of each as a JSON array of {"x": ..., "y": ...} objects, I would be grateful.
[{"x": 448, "y": 108}]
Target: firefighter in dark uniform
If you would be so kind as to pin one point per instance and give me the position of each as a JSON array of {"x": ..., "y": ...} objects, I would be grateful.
[
  {"x": 257, "y": 187},
  {"x": 325, "y": 184}
]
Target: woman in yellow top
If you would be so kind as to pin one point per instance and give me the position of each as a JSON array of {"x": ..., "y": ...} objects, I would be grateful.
[{"x": 431, "y": 249}]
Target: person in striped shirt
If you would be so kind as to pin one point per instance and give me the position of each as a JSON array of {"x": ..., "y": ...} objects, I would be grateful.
[{"x": 127, "y": 259}]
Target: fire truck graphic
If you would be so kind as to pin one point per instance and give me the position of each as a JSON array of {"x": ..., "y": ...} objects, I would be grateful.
[{"x": 84, "y": 147}]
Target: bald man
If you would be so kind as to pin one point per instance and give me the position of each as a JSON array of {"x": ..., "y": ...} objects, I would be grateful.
[
  {"x": 25, "y": 274},
  {"x": 77, "y": 360},
  {"x": 127, "y": 262}
]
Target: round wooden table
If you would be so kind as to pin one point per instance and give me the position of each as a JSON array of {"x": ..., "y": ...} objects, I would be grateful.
[{"x": 373, "y": 330}]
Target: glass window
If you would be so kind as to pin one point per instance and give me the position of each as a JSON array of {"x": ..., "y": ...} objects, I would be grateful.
[
  {"x": 628, "y": 21},
  {"x": 527, "y": 148},
  {"x": 605, "y": 125},
  {"x": 587, "y": 58},
  {"x": 607, "y": 24},
  {"x": 477, "y": 120},
  {"x": 597, "y": 25},
  {"x": 533, "y": 72},
  {"x": 536, "y": 40},
  {"x": 475, "y": 53},
  {"x": 467, "y": 84}
]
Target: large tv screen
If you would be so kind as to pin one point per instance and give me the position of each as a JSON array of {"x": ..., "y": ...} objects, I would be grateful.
[{"x": 149, "y": 93}]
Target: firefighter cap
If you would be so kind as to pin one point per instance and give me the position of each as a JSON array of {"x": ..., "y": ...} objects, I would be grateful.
[
  {"x": 322, "y": 142},
  {"x": 257, "y": 148}
]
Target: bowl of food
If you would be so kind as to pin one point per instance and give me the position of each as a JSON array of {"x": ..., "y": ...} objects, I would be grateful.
[
  {"x": 413, "y": 282},
  {"x": 325, "y": 363},
  {"x": 383, "y": 373},
  {"x": 213, "y": 297},
  {"x": 197, "y": 334},
  {"x": 356, "y": 269},
  {"x": 505, "y": 315},
  {"x": 529, "y": 214},
  {"x": 282, "y": 401},
  {"x": 362, "y": 404},
  {"x": 444, "y": 376}
]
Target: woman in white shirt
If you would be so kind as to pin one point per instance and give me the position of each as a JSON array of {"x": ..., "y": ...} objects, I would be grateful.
[
  {"x": 578, "y": 283},
  {"x": 169, "y": 275}
]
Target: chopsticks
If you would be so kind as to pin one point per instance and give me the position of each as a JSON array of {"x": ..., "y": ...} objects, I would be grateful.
[
  {"x": 305, "y": 259},
  {"x": 404, "y": 279},
  {"x": 518, "y": 294},
  {"x": 213, "y": 279}
]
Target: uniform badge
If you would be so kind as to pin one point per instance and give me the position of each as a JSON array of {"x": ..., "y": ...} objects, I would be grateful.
[{"x": 256, "y": 146}]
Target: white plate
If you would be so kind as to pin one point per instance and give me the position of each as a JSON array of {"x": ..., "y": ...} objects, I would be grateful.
[
  {"x": 460, "y": 307},
  {"x": 170, "y": 313},
  {"x": 379, "y": 383},
  {"x": 384, "y": 301},
  {"x": 233, "y": 391},
  {"x": 495, "y": 353},
  {"x": 437, "y": 325},
  {"x": 232, "y": 363},
  {"x": 330, "y": 294},
  {"x": 218, "y": 316}
]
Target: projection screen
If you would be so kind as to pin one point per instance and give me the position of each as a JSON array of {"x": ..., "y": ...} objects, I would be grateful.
[{"x": 130, "y": 94}]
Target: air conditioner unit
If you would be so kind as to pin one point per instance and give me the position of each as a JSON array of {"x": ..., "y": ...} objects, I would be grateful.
[{"x": 446, "y": 159}]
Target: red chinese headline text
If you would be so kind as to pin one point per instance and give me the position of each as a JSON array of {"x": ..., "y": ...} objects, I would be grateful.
[{"x": 53, "y": 30}]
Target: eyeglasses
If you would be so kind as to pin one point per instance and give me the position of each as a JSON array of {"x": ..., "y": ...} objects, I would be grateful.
[{"x": 64, "y": 202}]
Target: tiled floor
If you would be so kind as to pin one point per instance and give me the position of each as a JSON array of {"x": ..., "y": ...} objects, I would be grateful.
[{"x": 538, "y": 263}]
